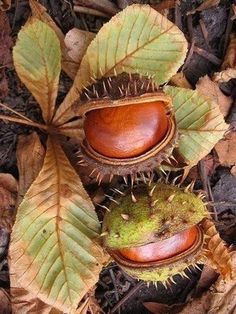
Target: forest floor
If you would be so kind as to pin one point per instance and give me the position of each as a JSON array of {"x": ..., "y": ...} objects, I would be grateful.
[{"x": 208, "y": 33}]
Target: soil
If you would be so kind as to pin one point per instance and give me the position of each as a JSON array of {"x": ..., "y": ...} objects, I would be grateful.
[{"x": 115, "y": 286}]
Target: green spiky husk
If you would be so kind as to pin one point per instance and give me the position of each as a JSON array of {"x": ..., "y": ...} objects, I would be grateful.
[
  {"x": 159, "y": 212},
  {"x": 162, "y": 270},
  {"x": 168, "y": 211}
]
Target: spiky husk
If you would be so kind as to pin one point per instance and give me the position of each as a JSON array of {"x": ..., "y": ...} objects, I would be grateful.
[
  {"x": 158, "y": 212},
  {"x": 122, "y": 90},
  {"x": 162, "y": 270},
  {"x": 215, "y": 252}
]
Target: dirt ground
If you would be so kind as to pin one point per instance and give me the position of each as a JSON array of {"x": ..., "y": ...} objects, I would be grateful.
[{"x": 116, "y": 292}]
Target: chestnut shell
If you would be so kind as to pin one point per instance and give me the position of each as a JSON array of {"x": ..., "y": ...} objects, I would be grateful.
[
  {"x": 162, "y": 212},
  {"x": 125, "y": 90}
]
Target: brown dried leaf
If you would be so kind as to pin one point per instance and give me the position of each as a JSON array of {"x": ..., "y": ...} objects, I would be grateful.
[
  {"x": 220, "y": 299},
  {"x": 208, "y": 277},
  {"x": 6, "y": 40},
  {"x": 8, "y": 191},
  {"x": 215, "y": 250},
  {"x": 230, "y": 56},
  {"x": 5, "y": 52},
  {"x": 225, "y": 75},
  {"x": 30, "y": 155},
  {"x": 207, "y": 4},
  {"x": 180, "y": 80},
  {"x": 83, "y": 308},
  {"x": 159, "y": 308},
  {"x": 226, "y": 151},
  {"x": 164, "y": 5},
  {"x": 229, "y": 65},
  {"x": 77, "y": 42},
  {"x": 211, "y": 90},
  {"x": 234, "y": 11},
  {"x": 105, "y": 6},
  {"x": 23, "y": 302},
  {"x": 5, "y": 302},
  {"x": 5, "y": 5},
  {"x": 3, "y": 85},
  {"x": 40, "y": 12},
  {"x": 122, "y": 4}
]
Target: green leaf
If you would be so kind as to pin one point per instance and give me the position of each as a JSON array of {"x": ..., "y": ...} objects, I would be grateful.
[
  {"x": 52, "y": 250},
  {"x": 69, "y": 65},
  {"x": 37, "y": 60},
  {"x": 136, "y": 40},
  {"x": 200, "y": 123}
]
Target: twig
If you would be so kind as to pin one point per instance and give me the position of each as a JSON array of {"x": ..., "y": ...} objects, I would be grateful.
[
  {"x": 114, "y": 283},
  {"x": 190, "y": 27},
  {"x": 21, "y": 121},
  {"x": 178, "y": 20},
  {"x": 6, "y": 65},
  {"x": 222, "y": 203},
  {"x": 15, "y": 14},
  {"x": 84, "y": 10},
  {"x": 207, "y": 55},
  {"x": 127, "y": 296},
  {"x": 15, "y": 112},
  {"x": 227, "y": 32},
  {"x": 204, "y": 32},
  {"x": 206, "y": 186},
  {"x": 189, "y": 56}
]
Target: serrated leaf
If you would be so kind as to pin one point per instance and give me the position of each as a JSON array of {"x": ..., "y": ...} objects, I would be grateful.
[
  {"x": 52, "y": 251},
  {"x": 69, "y": 65},
  {"x": 200, "y": 123},
  {"x": 136, "y": 40},
  {"x": 37, "y": 60}
]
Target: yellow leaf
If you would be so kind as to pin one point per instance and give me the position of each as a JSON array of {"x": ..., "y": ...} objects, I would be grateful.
[
  {"x": 69, "y": 65},
  {"x": 37, "y": 60},
  {"x": 53, "y": 254},
  {"x": 136, "y": 40},
  {"x": 200, "y": 123}
]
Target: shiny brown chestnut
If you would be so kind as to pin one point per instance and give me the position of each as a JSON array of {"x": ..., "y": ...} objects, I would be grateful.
[
  {"x": 164, "y": 249},
  {"x": 129, "y": 125},
  {"x": 127, "y": 131},
  {"x": 163, "y": 230}
]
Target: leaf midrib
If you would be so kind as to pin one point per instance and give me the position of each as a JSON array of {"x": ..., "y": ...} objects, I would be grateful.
[
  {"x": 58, "y": 217},
  {"x": 117, "y": 64}
]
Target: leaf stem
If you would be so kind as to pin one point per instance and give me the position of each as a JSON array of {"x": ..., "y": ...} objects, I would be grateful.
[
  {"x": 24, "y": 121},
  {"x": 15, "y": 112}
]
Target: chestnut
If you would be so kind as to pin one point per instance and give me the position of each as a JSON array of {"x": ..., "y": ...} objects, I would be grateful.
[
  {"x": 129, "y": 125},
  {"x": 164, "y": 249},
  {"x": 127, "y": 131},
  {"x": 164, "y": 232}
]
